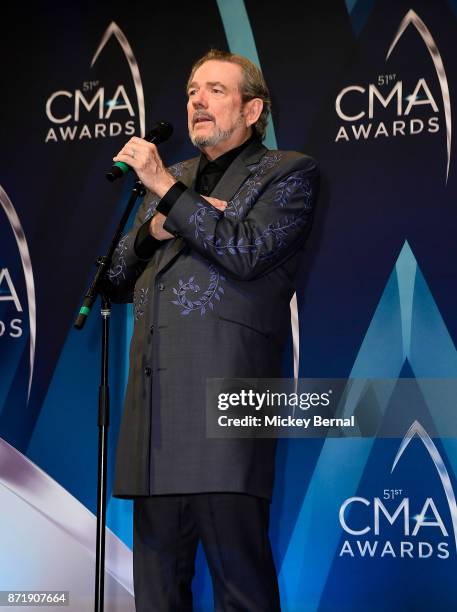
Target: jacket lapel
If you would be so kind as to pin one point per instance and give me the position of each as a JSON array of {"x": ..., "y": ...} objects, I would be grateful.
[
  {"x": 175, "y": 246},
  {"x": 238, "y": 171},
  {"x": 189, "y": 172}
]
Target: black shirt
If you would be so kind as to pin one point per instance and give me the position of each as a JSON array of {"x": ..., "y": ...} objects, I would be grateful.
[{"x": 210, "y": 172}]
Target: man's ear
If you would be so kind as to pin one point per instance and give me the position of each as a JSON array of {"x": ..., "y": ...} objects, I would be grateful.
[{"x": 252, "y": 110}]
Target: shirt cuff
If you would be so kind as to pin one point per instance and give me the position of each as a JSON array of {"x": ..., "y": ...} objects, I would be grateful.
[
  {"x": 145, "y": 244},
  {"x": 169, "y": 199}
]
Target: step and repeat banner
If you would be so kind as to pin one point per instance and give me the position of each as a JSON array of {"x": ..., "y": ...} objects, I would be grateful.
[{"x": 368, "y": 88}]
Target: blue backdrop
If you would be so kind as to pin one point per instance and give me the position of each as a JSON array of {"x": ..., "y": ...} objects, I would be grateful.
[{"x": 367, "y": 88}]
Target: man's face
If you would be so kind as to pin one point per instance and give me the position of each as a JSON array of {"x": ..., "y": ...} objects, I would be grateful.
[{"x": 215, "y": 112}]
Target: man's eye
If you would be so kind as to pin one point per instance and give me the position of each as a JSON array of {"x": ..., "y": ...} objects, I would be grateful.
[
  {"x": 191, "y": 92},
  {"x": 216, "y": 90}
]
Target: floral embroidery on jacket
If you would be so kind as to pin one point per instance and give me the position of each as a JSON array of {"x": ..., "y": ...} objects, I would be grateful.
[
  {"x": 275, "y": 232},
  {"x": 253, "y": 184},
  {"x": 177, "y": 169},
  {"x": 205, "y": 300},
  {"x": 140, "y": 299},
  {"x": 268, "y": 161},
  {"x": 117, "y": 271},
  {"x": 296, "y": 182},
  {"x": 149, "y": 212}
]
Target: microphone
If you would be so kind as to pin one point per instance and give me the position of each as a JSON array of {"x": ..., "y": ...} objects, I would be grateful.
[{"x": 159, "y": 132}]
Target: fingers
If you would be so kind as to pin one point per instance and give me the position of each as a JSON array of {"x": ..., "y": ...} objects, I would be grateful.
[
  {"x": 140, "y": 141},
  {"x": 156, "y": 227},
  {"x": 126, "y": 157},
  {"x": 137, "y": 153},
  {"x": 140, "y": 144},
  {"x": 216, "y": 203},
  {"x": 143, "y": 157}
]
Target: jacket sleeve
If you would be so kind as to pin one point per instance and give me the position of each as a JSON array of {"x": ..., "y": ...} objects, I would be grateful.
[
  {"x": 280, "y": 209},
  {"x": 127, "y": 266}
]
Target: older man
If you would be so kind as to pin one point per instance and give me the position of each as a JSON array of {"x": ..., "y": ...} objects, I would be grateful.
[{"x": 210, "y": 265}]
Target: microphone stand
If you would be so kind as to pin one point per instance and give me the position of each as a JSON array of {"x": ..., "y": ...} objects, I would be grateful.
[{"x": 96, "y": 288}]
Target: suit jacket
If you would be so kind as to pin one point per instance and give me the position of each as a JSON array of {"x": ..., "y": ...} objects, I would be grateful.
[{"x": 211, "y": 303}]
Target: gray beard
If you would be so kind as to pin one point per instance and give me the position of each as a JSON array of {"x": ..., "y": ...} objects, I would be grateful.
[
  {"x": 218, "y": 136},
  {"x": 210, "y": 141}
]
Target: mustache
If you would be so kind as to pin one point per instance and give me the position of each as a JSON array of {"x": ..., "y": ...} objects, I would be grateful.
[{"x": 200, "y": 115}]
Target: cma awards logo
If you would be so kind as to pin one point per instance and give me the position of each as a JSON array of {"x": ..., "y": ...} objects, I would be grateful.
[
  {"x": 393, "y": 511},
  {"x": 12, "y": 310},
  {"x": 364, "y": 103},
  {"x": 111, "y": 112}
]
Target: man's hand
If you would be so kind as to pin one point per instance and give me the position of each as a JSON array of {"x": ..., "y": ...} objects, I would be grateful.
[
  {"x": 219, "y": 204},
  {"x": 144, "y": 158},
  {"x": 156, "y": 227}
]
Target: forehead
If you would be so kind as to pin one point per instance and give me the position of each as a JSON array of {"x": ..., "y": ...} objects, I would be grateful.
[{"x": 212, "y": 71}]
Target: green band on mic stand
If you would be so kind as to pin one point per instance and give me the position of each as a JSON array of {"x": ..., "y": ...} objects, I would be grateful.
[
  {"x": 84, "y": 310},
  {"x": 122, "y": 166}
]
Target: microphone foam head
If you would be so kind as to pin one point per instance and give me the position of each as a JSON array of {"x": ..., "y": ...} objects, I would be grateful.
[{"x": 159, "y": 132}]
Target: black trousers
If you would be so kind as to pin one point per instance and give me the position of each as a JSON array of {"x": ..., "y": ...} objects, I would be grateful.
[{"x": 233, "y": 529}]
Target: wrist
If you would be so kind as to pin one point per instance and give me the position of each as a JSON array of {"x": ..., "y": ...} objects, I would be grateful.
[{"x": 164, "y": 185}]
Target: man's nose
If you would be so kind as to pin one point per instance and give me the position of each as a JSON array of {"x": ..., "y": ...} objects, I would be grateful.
[{"x": 199, "y": 99}]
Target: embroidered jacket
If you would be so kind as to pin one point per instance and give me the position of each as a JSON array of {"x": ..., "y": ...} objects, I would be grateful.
[{"x": 211, "y": 303}]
